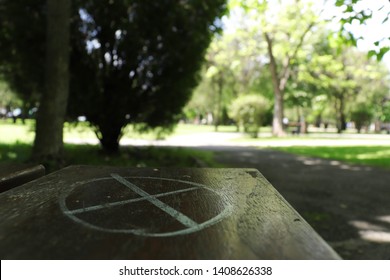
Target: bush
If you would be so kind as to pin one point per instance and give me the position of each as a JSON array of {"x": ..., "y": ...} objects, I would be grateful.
[
  {"x": 361, "y": 116},
  {"x": 250, "y": 112}
]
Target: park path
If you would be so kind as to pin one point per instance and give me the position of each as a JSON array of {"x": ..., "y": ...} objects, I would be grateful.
[{"x": 219, "y": 139}]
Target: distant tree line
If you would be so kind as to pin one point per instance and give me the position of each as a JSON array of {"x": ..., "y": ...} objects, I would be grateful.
[{"x": 285, "y": 52}]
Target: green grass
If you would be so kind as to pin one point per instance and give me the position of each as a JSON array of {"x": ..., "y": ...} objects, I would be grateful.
[
  {"x": 16, "y": 140},
  {"x": 129, "y": 156},
  {"x": 16, "y": 144},
  {"x": 24, "y": 133},
  {"x": 138, "y": 156},
  {"x": 365, "y": 155},
  {"x": 16, "y": 133},
  {"x": 17, "y": 152}
]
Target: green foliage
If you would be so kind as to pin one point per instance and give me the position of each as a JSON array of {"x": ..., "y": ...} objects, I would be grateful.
[
  {"x": 326, "y": 76},
  {"x": 353, "y": 12},
  {"x": 8, "y": 97},
  {"x": 280, "y": 31},
  {"x": 250, "y": 112},
  {"x": 131, "y": 61},
  {"x": 385, "y": 110},
  {"x": 340, "y": 78},
  {"x": 222, "y": 78},
  {"x": 22, "y": 47},
  {"x": 361, "y": 115}
]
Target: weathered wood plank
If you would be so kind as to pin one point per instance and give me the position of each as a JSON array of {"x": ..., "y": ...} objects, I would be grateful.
[
  {"x": 13, "y": 175},
  {"x": 122, "y": 213}
]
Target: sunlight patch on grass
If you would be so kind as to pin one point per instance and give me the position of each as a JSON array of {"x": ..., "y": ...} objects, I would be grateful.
[
  {"x": 365, "y": 155},
  {"x": 80, "y": 131},
  {"x": 375, "y": 155},
  {"x": 11, "y": 133}
]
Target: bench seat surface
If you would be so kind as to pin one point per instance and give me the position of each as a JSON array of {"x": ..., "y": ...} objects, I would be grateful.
[{"x": 83, "y": 212}]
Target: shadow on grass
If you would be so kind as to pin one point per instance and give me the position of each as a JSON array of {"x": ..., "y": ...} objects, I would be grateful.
[{"x": 128, "y": 156}]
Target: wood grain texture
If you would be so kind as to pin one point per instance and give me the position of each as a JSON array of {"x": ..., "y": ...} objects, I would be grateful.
[
  {"x": 13, "y": 175},
  {"x": 139, "y": 213}
]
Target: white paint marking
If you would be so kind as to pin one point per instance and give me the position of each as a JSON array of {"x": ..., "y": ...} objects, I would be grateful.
[
  {"x": 127, "y": 201},
  {"x": 225, "y": 213},
  {"x": 180, "y": 217},
  {"x": 143, "y": 232}
]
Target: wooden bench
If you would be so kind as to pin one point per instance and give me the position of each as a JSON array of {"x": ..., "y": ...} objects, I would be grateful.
[
  {"x": 13, "y": 175},
  {"x": 84, "y": 212},
  {"x": 294, "y": 127}
]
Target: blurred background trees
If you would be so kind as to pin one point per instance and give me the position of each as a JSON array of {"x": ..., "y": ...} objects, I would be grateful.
[{"x": 308, "y": 67}]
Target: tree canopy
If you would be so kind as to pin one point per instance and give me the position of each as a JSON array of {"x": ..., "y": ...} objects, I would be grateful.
[
  {"x": 131, "y": 61},
  {"x": 297, "y": 62}
]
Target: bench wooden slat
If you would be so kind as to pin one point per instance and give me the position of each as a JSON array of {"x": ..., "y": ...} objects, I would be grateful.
[
  {"x": 141, "y": 213},
  {"x": 13, "y": 175}
]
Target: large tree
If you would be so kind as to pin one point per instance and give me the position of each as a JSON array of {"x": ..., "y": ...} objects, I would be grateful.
[
  {"x": 48, "y": 143},
  {"x": 285, "y": 27},
  {"x": 131, "y": 61},
  {"x": 22, "y": 47},
  {"x": 145, "y": 64}
]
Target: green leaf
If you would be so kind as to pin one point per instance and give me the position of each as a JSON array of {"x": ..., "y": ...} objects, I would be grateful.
[
  {"x": 211, "y": 71},
  {"x": 351, "y": 39},
  {"x": 339, "y": 3},
  {"x": 382, "y": 52},
  {"x": 371, "y": 53}
]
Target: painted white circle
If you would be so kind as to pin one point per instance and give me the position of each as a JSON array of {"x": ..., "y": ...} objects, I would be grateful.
[{"x": 189, "y": 225}]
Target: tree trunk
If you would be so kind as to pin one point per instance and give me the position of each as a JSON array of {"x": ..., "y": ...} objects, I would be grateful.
[
  {"x": 277, "y": 121},
  {"x": 48, "y": 143},
  {"x": 218, "y": 115},
  {"x": 338, "y": 116},
  {"x": 109, "y": 135},
  {"x": 377, "y": 126},
  {"x": 341, "y": 119}
]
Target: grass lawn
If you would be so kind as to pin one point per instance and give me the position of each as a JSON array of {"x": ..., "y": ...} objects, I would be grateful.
[
  {"x": 83, "y": 131},
  {"x": 16, "y": 143},
  {"x": 11, "y": 133},
  {"x": 16, "y": 140},
  {"x": 129, "y": 156},
  {"x": 366, "y": 155},
  {"x": 139, "y": 156}
]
